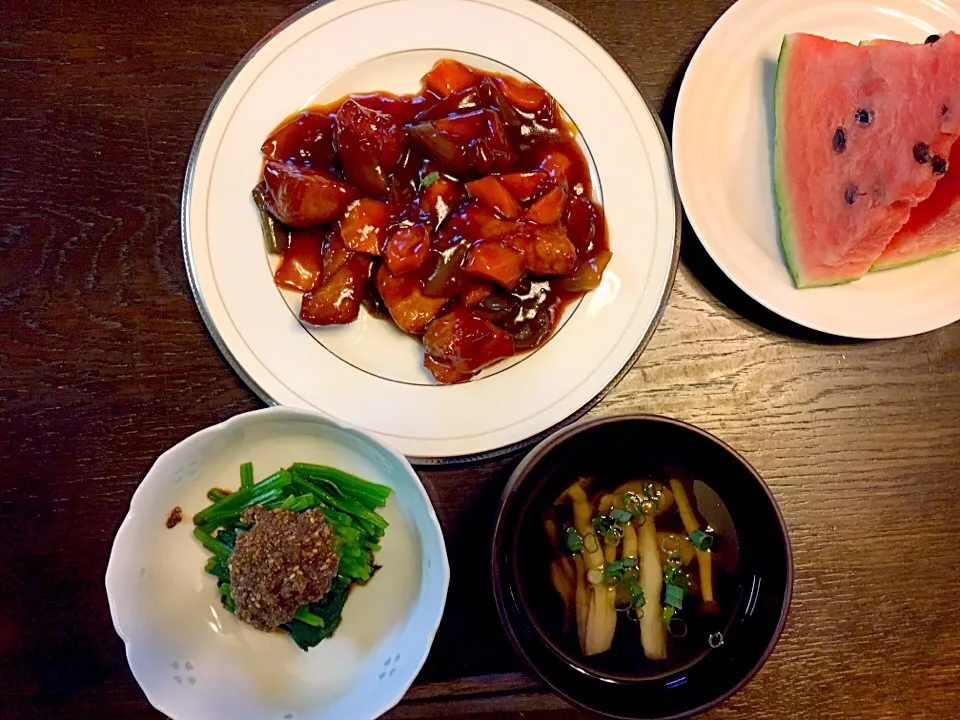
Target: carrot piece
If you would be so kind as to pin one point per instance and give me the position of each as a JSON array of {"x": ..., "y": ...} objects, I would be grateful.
[
  {"x": 407, "y": 249},
  {"x": 493, "y": 260},
  {"x": 522, "y": 95},
  {"x": 523, "y": 185},
  {"x": 302, "y": 263},
  {"x": 447, "y": 77},
  {"x": 548, "y": 209},
  {"x": 492, "y": 193}
]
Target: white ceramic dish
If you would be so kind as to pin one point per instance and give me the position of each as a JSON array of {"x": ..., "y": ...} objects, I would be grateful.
[
  {"x": 367, "y": 374},
  {"x": 722, "y": 149},
  {"x": 196, "y": 661}
]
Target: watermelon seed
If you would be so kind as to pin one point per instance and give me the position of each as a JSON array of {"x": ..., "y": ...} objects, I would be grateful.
[
  {"x": 944, "y": 110},
  {"x": 921, "y": 153},
  {"x": 850, "y": 195},
  {"x": 939, "y": 165},
  {"x": 864, "y": 117},
  {"x": 839, "y": 140},
  {"x": 931, "y": 39}
]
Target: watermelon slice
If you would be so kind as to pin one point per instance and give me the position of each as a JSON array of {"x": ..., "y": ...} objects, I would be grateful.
[
  {"x": 934, "y": 225},
  {"x": 863, "y": 135}
]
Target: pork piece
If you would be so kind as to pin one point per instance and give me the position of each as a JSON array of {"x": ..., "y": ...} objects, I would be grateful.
[
  {"x": 306, "y": 140},
  {"x": 410, "y": 309},
  {"x": 546, "y": 249},
  {"x": 337, "y": 300},
  {"x": 335, "y": 254},
  {"x": 364, "y": 225},
  {"x": 471, "y": 143},
  {"x": 463, "y": 343},
  {"x": 370, "y": 145},
  {"x": 284, "y": 561},
  {"x": 300, "y": 197}
]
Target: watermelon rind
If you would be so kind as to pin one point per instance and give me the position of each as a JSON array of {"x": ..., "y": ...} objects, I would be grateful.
[
  {"x": 878, "y": 267},
  {"x": 787, "y": 244}
]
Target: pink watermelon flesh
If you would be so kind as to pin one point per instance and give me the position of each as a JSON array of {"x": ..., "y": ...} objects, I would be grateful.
[
  {"x": 934, "y": 225},
  {"x": 845, "y": 186}
]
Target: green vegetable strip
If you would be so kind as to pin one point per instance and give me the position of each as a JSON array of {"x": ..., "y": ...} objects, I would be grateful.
[
  {"x": 303, "y": 614},
  {"x": 345, "y": 482},
  {"x": 347, "y": 505},
  {"x": 212, "y": 545},
  {"x": 246, "y": 475},
  {"x": 242, "y": 499},
  {"x": 336, "y": 517}
]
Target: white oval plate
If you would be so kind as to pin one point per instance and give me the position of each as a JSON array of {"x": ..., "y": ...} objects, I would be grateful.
[
  {"x": 722, "y": 150},
  {"x": 367, "y": 374},
  {"x": 196, "y": 661}
]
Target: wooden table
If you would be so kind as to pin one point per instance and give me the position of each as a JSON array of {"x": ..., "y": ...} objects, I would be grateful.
[{"x": 106, "y": 363}]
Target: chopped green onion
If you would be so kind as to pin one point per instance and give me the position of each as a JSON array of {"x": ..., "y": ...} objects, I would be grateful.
[
  {"x": 613, "y": 536},
  {"x": 677, "y": 627},
  {"x": 649, "y": 507},
  {"x": 631, "y": 573},
  {"x": 629, "y": 562},
  {"x": 636, "y": 592},
  {"x": 572, "y": 540},
  {"x": 631, "y": 503},
  {"x": 670, "y": 544},
  {"x": 614, "y": 569},
  {"x": 673, "y": 596},
  {"x": 701, "y": 540},
  {"x": 715, "y": 640},
  {"x": 429, "y": 180},
  {"x": 621, "y": 515},
  {"x": 246, "y": 475},
  {"x": 602, "y": 524},
  {"x": 667, "y": 614},
  {"x": 649, "y": 491}
]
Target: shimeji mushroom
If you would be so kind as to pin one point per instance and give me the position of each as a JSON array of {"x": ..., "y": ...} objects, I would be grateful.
[
  {"x": 594, "y": 600},
  {"x": 653, "y": 631},
  {"x": 704, "y": 560}
]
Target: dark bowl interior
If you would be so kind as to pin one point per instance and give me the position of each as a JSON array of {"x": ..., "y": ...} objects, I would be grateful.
[{"x": 754, "y": 595}]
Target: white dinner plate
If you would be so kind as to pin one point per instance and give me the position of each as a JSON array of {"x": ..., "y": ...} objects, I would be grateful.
[
  {"x": 723, "y": 154},
  {"x": 368, "y": 374}
]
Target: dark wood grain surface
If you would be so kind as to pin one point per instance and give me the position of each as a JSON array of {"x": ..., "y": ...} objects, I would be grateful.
[{"x": 106, "y": 363}]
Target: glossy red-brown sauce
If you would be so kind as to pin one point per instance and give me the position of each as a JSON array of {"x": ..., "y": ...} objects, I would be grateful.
[{"x": 463, "y": 211}]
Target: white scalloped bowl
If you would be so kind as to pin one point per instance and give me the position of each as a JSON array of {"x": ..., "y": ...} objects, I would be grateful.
[{"x": 196, "y": 661}]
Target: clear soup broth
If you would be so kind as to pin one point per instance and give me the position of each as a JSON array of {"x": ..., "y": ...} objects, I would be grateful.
[{"x": 630, "y": 574}]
